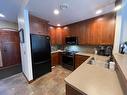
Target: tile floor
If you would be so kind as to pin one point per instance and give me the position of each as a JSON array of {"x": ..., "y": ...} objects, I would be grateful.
[{"x": 49, "y": 84}]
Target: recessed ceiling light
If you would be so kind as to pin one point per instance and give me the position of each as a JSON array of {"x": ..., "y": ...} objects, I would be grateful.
[
  {"x": 1, "y": 15},
  {"x": 58, "y": 25},
  {"x": 117, "y": 8},
  {"x": 66, "y": 27},
  {"x": 98, "y": 12},
  {"x": 56, "y": 12},
  {"x": 51, "y": 27}
]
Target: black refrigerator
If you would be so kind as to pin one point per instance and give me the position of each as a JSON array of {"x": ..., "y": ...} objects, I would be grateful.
[{"x": 41, "y": 55}]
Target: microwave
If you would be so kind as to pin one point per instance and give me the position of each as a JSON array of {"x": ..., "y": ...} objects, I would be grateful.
[{"x": 71, "y": 40}]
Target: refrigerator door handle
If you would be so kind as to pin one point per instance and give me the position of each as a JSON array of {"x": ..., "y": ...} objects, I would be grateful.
[{"x": 42, "y": 62}]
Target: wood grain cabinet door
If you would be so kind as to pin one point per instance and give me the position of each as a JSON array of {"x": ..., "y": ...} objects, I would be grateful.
[
  {"x": 10, "y": 53},
  {"x": 72, "y": 91},
  {"x": 10, "y": 48},
  {"x": 38, "y": 26},
  {"x": 79, "y": 59},
  {"x": 52, "y": 32},
  {"x": 55, "y": 59}
]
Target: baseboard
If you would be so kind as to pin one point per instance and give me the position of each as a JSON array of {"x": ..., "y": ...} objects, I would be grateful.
[
  {"x": 27, "y": 79},
  {"x": 7, "y": 72}
]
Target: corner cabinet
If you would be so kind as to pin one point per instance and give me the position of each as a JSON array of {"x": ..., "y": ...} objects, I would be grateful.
[
  {"x": 79, "y": 59},
  {"x": 72, "y": 91},
  {"x": 55, "y": 58}
]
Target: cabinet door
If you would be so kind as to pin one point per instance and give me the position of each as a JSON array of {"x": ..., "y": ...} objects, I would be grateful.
[
  {"x": 55, "y": 59},
  {"x": 79, "y": 59},
  {"x": 108, "y": 32},
  {"x": 59, "y": 36},
  {"x": 65, "y": 33},
  {"x": 10, "y": 53},
  {"x": 10, "y": 48},
  {"x": 72, "y": 91},
  {"x": 38, "y": 26},
  {"x": 52, "y": 32}
]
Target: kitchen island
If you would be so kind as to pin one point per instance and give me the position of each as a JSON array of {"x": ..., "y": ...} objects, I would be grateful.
[{"x": 90, "y": 79}]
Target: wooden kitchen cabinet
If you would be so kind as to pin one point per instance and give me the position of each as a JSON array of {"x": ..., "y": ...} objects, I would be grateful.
[
  {"x": 53, "y": 36},
  {"x": 10, "y": 48},
  {"x": 55, "y": 59},
  {"x": 65, "y": 33},
  {"x": 71, "y": 91},
  {"x": 58, "y": 35},
  {"x": 79, "y": 59},
  {"x": 96, "y": 31},
  {"x": 121, "y": 77},
  {"x": 38, "y": 26}
]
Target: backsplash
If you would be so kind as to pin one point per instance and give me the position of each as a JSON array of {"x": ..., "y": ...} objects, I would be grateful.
[
  {"x": 79, "y": 48},
  {"x": 56, "y": 47}
]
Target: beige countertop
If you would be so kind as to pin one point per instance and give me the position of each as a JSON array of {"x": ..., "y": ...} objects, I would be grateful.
[
  {"x": 57, "y": 51},
  {"x": 94, "y": 79},
  {"x": 122, "y": 62},
  {"x": 99, "y": 60}
]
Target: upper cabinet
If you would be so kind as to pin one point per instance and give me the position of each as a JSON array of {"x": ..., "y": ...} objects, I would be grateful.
[
  {"x": 58, "y": 35},
  {"x": 95, "y": 31},
  {"x": 53, "y": 38},
  {"x": 38, "y": 26}
]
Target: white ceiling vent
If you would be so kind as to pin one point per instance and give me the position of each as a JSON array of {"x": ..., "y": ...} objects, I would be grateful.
[{"x": 64, "y": 6}]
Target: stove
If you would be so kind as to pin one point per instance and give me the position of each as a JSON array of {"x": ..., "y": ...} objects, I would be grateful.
[{"x": 68, "y": 59}]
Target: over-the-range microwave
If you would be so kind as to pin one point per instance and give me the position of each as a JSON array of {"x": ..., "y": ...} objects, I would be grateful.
[{"x": 73, "y": 40}]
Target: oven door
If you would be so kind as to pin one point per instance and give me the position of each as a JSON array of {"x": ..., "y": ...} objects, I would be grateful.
[{"x": 67, "y": 60}]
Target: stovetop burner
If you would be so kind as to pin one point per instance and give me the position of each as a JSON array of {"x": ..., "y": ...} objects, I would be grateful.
[{"x": 71, "y": 53}]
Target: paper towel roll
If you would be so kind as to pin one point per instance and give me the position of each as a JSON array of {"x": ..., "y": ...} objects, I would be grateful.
[{"x": 112, "y": 65}]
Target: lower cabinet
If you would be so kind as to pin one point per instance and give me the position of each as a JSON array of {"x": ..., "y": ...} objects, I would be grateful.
[
  {"x": 79, "y": 59},
  {"x": 71, "y": 91},
  {"x": 122, "y": 79},
  {"x": 55, "y": 58}
]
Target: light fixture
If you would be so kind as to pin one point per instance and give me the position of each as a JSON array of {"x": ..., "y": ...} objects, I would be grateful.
[
  {"x": 56, "y": 12},
  {"x": 58, "y": 25},
  {"x": 64, "y": 6},
  {"x": 66, "y": 27},
  {"x": 117, "y": 8},
  {"x": 1, "y": 15},
  {"x": 51, "y": 27},
  {"x": 99, "y": 12}
]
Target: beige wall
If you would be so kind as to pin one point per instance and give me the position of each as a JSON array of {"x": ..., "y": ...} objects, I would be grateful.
[
  {"x": 124, "y": 23},
  {"x": 23, "y": 22},
  {"x": 121, "y": 27},
  {"x": 6, "y": 24}
]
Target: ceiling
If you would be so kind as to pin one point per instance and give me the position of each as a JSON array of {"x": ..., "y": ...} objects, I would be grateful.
[
  {"x": 10, "y": 8},
  {"x": 77, "y": 10}
]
